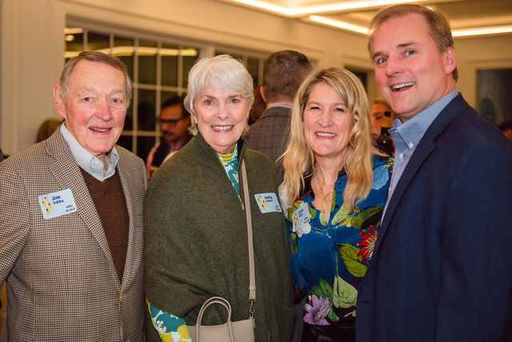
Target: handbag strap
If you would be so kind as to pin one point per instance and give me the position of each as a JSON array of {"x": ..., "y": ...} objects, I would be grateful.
[{"x": 248, "y": 217}]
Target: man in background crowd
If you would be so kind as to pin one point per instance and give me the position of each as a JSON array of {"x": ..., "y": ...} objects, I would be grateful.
[
  {"x": 174, "y": 129},
  {"x": 284, "y": 72},
  {"x": 381, "y": 118},
  {"x": 441, "y": 268},
  {"x": 506, "y": 129},
  {"x": 71, "y": 217}
]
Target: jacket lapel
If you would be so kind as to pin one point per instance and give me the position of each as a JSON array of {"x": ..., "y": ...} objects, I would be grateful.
[
  {"x": 124, "y": 171},
  {"x": 67, "y": 172},
  {"x": 425, "y": 147}
]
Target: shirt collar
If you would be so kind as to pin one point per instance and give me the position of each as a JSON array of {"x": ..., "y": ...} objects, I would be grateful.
[
  {"x": 89, "y": 162},
  {"x": 280, "y": 104},
  {"x": 408, "y": 134}
]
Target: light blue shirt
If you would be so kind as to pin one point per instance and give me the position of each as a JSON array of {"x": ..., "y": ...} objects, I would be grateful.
[
  {"x": 407, "y": 135},
  {"x": 88, "y": 161}
]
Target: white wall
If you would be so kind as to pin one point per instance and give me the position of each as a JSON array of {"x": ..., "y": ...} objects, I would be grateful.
[
  {"x": 31, "y": 57},
  {"x": 32, "y": 46}
]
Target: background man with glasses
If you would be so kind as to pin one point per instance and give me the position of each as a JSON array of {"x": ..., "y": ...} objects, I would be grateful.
[{"x": 174, "y": 129}]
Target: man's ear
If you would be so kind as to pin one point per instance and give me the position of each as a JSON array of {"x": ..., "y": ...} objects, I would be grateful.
[
  {"x": 262, "y": 93},
  {"x": 58, "y": 101},
  {"x": 449, "y": 60}
]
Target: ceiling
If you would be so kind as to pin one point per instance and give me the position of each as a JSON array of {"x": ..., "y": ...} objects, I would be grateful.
[{"x": 467, "y": 17}]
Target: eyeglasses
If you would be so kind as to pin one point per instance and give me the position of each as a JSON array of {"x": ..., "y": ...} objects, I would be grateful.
[
  {"x": 172, "y": 122},
  {"x": 380, "y": 114}
]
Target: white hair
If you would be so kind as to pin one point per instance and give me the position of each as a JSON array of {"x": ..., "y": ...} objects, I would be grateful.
[{"x": 221, "y": 71}]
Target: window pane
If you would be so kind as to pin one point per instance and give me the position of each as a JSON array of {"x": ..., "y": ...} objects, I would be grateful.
[
  {"x": 361, "y": 74},
  {"x": 147, "y": 62},
  {"x": 190, "y": 56},
  {"x": 169, "y": 65},
  {"x": 253, "y": 67},
  {"x": 74, "y": 40},
  {"x": 146, "y": 110},
  {"x": 165, "y": 95},
  {"x": 128, "y": 122},
  {"x": 124, "y": 50},
  {"x": 235, "y": 56},
  {"x": 98, "y": 41},
  {"x": 126, "y": 142},
  {"x": 144, "y": 145}
]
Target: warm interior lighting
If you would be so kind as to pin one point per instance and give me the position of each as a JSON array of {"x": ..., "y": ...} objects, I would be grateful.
[
  {"x": 123, "y": 51},
  {"x": 338, "y": 24},
  {"x": 457, "y": 33},
  {"x": 352, "y": 5},
  {"x": 300, "y": 11},
  {"x": 73, "y": 30},
  {"x": 481, "y": 31}
]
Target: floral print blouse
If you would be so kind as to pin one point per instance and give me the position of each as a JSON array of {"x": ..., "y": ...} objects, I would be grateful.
[{"x": 330, "y": 254}]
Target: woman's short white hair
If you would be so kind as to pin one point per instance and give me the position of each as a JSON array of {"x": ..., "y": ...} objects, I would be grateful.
[{"x": 221, "y": 71}]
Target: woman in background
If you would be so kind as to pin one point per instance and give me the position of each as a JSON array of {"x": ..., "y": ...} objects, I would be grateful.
[
  {"x": 195, "y": 226},
  {"x": 334, "y": 190}
]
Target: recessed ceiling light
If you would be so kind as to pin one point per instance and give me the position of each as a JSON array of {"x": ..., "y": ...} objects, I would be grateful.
[
  {"x": 457, "y": 33},
  {"x": 299, "y": 11},
  {"x": 339, "y": 24},
  {"x": 482, "y": 31}
]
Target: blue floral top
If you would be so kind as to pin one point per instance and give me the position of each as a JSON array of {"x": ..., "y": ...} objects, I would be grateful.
[{"x": 330, "y": 254}]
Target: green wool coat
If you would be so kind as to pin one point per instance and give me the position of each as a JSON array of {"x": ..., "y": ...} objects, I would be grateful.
[{"x": 196, "y": 242}]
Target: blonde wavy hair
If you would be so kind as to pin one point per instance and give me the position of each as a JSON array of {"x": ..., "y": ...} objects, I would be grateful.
[{"x": 299, "y": 158}]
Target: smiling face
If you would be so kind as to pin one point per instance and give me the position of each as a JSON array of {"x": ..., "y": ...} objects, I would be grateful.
[
  {"x": 94, "y": 105},
  {"x": 221, "y": 117},
  {"x": 327, "y": 122},
  {"x": 410, "y": 71}
]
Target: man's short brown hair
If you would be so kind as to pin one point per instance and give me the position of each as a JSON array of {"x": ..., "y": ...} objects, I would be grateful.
[
  {"x": 98, "y": 57},
  {"x": 284, "y": 72},
  {"x": 436, "y": 21}
]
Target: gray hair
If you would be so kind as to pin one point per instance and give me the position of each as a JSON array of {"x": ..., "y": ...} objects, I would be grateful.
[
  {"x": 98, "y": 57},
  {"x": 221, "y": 71}
]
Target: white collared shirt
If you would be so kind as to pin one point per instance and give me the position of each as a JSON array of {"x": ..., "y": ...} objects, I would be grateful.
[{"x": 88, "y": 161}]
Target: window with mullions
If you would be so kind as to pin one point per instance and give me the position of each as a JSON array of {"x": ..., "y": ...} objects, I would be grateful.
[
  {"x": 158, "y": 69},
  {"x": 253, "y": 63}
]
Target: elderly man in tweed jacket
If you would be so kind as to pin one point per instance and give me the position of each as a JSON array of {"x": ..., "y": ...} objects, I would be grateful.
[{"x": 71, "y": 217}]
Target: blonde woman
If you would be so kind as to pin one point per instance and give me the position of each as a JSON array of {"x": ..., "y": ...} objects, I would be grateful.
[{"x": 334, "y": 190}]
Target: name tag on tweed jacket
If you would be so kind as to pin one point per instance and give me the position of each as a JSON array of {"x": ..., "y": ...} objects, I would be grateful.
[
  {"x": 268, "y": 202},
  {"x": 56, "y": 204}
]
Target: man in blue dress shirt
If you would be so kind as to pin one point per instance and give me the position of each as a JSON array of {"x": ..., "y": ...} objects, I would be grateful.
[{"x": 442, "y": 267}]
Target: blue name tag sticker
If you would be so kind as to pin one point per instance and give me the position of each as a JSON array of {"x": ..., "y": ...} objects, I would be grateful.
[
  {"x": 56, "y": 204},
  {"x": 300, "y": 219},
  {"x": 268, "y": 202}
]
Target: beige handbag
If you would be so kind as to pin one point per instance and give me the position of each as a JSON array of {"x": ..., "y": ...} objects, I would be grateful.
[{"x": 238, "y": 331}]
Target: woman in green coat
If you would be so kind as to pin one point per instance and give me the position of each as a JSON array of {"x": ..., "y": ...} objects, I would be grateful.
[{"x": 196, "y": 232}]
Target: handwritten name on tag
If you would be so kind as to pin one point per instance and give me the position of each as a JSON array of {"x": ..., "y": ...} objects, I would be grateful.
[
  {"x": 268, "y": 202},
  {"x": 56, "y": 204}
]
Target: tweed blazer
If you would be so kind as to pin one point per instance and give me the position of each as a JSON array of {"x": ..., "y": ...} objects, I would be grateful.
[
  {"x": 269, "y": 135},
  {"x": 61, "y": 279}
]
